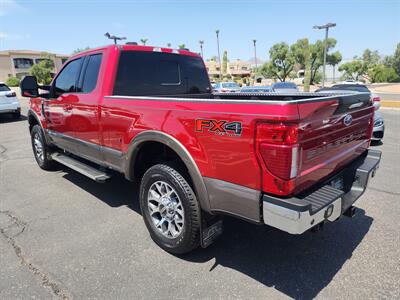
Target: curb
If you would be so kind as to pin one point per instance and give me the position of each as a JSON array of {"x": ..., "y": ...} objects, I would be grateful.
[{"x": 390, "y": 103}]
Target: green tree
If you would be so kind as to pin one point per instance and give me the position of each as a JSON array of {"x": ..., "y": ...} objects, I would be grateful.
[
  {"x": 333, "y": 60},
  {"x": 42, "y": 71},
  {"x": 370, "y": 57},
  {"x": 281, "y": 62},
  {"x": 382, "y": 73},
  {"x": 169, "y": 45},
  {"x": 144, "y": 41},
  {"x": 310, "y": 57},
  {"x": 396, "y": 59},
  {"x": 225, "y": 62},
  {"x": 301, "y": 53},
  {"x": 354, "y": 69},
  {"x": 78, "y": 50},
  {"x": 182, "y": 46},
  {"x": 12, "y": 81}
]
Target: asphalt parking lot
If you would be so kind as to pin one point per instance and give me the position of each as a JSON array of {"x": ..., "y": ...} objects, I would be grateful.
[{"x": 65, "y": 236}]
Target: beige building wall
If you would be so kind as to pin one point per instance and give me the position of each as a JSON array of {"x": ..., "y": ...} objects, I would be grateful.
[{"x": 9, "y": 68}]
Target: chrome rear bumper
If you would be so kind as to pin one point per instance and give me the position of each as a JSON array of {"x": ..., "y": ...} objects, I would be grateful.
[{"x": 325, "y": 203}]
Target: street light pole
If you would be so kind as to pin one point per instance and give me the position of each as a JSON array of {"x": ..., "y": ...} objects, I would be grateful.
[
  {"x": 201, "y": 48},
  {"x": 255, "y": 59},
  {"x": 219, "y": 55},
  {"x": 326, "y": 27}
]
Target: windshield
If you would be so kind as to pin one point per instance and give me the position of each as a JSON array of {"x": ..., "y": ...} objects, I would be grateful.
[
  {"x": 285, "y": 85},
  {"x": 230, "y": 85},
  {"x": 4, "y": 88}
]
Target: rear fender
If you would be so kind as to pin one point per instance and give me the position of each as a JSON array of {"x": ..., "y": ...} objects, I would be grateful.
[{"x": 180, "y": 150}]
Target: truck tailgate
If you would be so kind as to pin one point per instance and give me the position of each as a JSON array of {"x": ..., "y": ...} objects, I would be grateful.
[{"x": 334, "y": 131}]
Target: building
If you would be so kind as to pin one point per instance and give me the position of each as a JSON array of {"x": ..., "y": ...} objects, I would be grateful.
[
  {"x": 237, "y": 68},
  {"x": 16, "y": 63}
]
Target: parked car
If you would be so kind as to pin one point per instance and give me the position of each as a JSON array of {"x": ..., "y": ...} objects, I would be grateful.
[
  {"x": 226, "y": 87},
  {"x": 255, "y": 89},
  {"x": 357, "y": 87},
  {"x": 9, "y": 103},
  {"x": 379, "y": 127},
  {"x": 284, "y": 87},
  {"x": 288, "y": 162}
]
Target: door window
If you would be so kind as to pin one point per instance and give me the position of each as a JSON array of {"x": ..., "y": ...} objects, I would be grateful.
[
  {"x": 66, "y": 80},
  {"x": 91, "y": 73}
]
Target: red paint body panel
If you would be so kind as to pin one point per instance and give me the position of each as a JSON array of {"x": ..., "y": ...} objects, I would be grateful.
[{"x": 325, "y": 144}]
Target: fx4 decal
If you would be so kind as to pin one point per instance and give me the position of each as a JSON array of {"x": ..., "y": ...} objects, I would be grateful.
[{"x": 219, "y": 127}]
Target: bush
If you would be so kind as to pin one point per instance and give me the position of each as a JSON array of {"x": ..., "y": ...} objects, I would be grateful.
[
  {"x": 12, "y": 81},
  {"x": 381, "y": 73}
]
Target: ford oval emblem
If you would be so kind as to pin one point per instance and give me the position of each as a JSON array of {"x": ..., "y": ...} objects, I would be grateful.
[{"x": 347, "y": 120}]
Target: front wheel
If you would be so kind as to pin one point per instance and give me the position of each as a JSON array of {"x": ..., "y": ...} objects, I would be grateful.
[
  {"x": 40, "y": 148},
  {"x": 170, "y": 209}
]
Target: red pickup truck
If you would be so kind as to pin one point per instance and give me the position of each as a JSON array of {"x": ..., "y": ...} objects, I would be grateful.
[{"x": 291, "y": 161}]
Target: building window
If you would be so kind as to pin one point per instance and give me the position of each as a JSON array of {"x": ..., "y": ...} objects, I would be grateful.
[
  {"x": 23, "y": 63},
  {"x": 39, "y": 60},
  {"x": 244, "y": 68}
]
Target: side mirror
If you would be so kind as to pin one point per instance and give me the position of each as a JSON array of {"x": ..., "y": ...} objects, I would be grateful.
[{"x": 29, "y": 87}]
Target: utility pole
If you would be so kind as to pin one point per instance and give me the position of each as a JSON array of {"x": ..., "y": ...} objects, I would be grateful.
[
  {"x": 255, "y": 59},
  {"x": 219, "y": 55},
  {"x": 201, "y": 48},
  {"x": 326, "y": 27}
]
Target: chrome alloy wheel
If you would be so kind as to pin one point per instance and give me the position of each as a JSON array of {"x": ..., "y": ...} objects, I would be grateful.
[
  {"x": 165, "y": 208},
  {"x": 38, "y": 145}
]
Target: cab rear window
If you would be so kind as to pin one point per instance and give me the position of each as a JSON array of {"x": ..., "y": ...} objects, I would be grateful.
[{"x": 143, "y": 73}]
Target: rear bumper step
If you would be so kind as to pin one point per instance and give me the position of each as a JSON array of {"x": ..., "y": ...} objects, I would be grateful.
[
  {"x": 327, "y": 203},
  {"x": 81, "y": 167}
]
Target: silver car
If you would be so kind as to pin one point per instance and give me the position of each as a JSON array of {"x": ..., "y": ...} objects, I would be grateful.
[
  {"x": 9, "y": 103},
  {"x": 379, "y": 127},
  {"x": 226, "y": 87}
]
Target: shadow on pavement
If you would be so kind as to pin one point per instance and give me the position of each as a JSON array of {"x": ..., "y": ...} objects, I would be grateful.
[
  {"x": 8, "y": 118},
  {"x": 298, "y": 266}
]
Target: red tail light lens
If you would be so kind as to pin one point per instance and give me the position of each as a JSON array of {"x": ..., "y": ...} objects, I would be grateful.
[
  {"x": 376, "y": 99},
  {"x": 278, "y": 150},
  {"x": 12, "y": 94}
]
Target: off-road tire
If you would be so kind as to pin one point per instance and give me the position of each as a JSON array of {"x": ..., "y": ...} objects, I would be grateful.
[
  {"x": 189, "y": 238},
  {"x": 43, "y": 161}
]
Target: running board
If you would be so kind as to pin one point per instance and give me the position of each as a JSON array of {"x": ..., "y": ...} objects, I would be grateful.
[{"x": 80, "y": 167}]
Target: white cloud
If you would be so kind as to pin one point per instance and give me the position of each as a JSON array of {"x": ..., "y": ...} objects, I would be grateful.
[{"x": 9, "y": 6}]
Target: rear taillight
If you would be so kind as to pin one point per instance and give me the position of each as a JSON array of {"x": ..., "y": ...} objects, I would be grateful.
[
  {"x": 12, "y": 94},
  {"x": 278, "y": 149},
  {"x": 376, "y": 99}
]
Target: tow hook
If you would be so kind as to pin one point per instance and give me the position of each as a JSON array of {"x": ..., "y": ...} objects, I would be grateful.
[{"x": 350, "y": 212}]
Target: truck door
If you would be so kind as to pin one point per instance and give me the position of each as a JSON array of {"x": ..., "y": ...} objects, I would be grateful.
[
  {"x": 58, "y": 108},
  {"x": 85, "y": 114}
]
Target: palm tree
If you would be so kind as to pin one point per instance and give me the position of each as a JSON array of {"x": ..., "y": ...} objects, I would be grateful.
[
  {"x": 201, "y": 47},
  {"x": 182, "y": 46},
  {"x": 219, "y": 54},
  {"x": 144, "y": 41}
]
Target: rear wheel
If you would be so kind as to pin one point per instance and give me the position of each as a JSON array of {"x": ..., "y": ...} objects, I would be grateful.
[
  {"x": 170, "y": 209},
  {"x": 40, "y": 148}
]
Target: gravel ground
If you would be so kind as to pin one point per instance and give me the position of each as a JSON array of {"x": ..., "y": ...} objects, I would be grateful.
[{"x": 65, "y": 236}]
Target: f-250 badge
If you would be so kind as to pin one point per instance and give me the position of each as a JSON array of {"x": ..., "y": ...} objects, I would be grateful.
[{"x": 219, "y": 127}]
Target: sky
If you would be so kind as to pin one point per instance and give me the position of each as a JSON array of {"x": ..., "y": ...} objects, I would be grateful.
[{"x": 63, "y": 26}]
